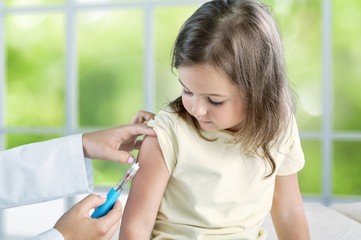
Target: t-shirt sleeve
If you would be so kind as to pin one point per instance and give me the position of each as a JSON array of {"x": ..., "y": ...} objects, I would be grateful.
[
  {"x": 289, "y": 154},
  {"x": 165, "y": 126}
]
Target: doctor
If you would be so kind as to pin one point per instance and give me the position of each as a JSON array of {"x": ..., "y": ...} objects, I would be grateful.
[{"x": 60, "y": 167}]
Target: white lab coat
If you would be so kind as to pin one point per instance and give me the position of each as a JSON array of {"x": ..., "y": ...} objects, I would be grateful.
[{"x": 44, "y": 171}]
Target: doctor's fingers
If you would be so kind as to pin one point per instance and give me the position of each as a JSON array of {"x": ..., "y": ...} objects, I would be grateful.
[
  {"x": 112, "y": 218},
  {"x": 102, "y": 231},
  {"x": 131, "y": 131},
  {"x": 142, "y": 116},
  {"x": 89, "y": 202}
]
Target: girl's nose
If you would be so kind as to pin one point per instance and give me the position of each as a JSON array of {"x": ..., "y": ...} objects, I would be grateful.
[{"x": 199, "y": 108}]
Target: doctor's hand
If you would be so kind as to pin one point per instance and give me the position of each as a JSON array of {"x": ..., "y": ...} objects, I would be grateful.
[
  {"x": 77, "y": 224},
  {"x": 115, "y": 143}
]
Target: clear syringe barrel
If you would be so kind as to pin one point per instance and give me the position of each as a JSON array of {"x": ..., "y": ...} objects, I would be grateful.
[{"x": 127, "y": 177}]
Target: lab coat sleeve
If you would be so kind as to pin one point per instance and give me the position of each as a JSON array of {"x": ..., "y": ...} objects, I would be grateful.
[
  {"x": 44, "y": 171},
  {"x": 51, "y": 234}
]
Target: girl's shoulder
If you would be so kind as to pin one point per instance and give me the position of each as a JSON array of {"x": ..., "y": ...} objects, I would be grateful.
[
  {"x": 288, "y": 151},
  {"x": 288, "y": 134},
  {"x": 165, "y": 119},
  {"x": 170, "y": 123}
]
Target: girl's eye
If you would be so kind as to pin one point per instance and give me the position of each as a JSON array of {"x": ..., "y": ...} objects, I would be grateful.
[
  {"x": 215, "y": 103},
  {"x": 185, "y": 92}
]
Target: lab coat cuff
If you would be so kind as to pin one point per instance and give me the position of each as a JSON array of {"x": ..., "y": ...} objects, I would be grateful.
[
  {"x": 89, "y": 172},
  {"x": 87, "y": 162}
]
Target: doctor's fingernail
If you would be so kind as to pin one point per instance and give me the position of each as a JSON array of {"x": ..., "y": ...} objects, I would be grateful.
[{"x": 131, "y": 160}]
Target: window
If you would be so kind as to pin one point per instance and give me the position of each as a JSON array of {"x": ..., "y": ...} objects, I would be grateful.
[{"x": 69, "y": 66}]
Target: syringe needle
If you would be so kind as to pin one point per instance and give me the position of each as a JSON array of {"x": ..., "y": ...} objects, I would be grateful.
[{"x": 114, "y": 193}]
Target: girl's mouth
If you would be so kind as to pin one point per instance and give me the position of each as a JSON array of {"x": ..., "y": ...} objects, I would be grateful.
[{"x": 203, "y": 121}]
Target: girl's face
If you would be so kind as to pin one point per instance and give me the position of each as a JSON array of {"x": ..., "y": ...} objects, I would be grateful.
[{"x": 209, "y": 96}]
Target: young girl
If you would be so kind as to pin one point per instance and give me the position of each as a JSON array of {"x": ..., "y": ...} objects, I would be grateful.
[{"x": 227, "y": 151}]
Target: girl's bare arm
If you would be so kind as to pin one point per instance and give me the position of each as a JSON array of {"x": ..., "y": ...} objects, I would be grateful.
[
  {"x": 287, "y": 212},
  {"x": 146, "y": 192}
]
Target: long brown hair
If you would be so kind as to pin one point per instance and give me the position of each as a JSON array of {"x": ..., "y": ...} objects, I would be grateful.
[{"x": 241, "y": 38}]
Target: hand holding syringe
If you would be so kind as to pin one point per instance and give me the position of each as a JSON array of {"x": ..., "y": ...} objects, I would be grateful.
[{"x": 114, "y": 193}]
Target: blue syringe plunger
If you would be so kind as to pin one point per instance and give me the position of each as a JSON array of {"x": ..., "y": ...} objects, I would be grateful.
[{"x": 114, "y": 193}]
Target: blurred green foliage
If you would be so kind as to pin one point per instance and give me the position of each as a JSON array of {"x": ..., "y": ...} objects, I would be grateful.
[
  {"x": 346, "y": 167},
  {"x": 300, "y": 26},
  {"x": 31, "y": 2},
  {"x": 110, "y": 51},
  {"x": 310, "y": 177},
  {"x": 111, "y": 57},
  {"x": 346, "y": 35},
  {"x": 168, "y": 21},
  {"x": 14, "y": 140},
  {"x": 35, "y": 70}
]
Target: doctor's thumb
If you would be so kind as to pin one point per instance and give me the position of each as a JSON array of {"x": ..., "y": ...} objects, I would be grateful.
[
  {"x": 120, "y": 156},
  {"x": 125, "y": 157}
]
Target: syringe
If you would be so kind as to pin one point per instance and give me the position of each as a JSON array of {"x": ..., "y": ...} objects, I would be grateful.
[{"x": 114, "y": 193}]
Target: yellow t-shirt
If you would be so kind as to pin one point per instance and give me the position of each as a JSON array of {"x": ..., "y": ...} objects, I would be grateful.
[{"x": 215, "y": 191}]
